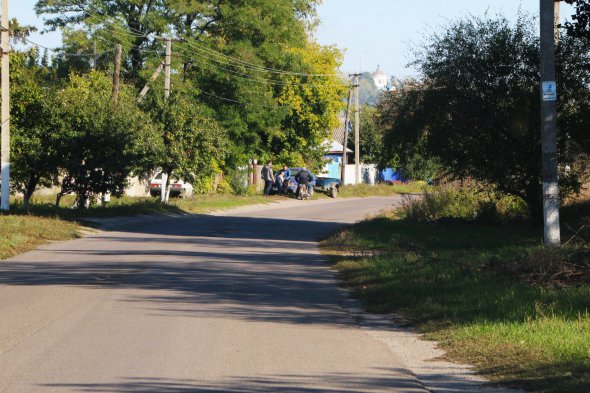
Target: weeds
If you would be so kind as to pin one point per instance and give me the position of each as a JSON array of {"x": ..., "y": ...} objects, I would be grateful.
[{"x": 469, "y": 270}]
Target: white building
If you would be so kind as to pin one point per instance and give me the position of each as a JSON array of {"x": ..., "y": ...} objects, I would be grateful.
[{"x": 381, "y": 79}]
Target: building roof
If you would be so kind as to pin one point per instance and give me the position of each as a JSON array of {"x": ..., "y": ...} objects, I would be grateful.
[
  {"x": 337, "y": 142},
  {"x": 337, "y": 148}
]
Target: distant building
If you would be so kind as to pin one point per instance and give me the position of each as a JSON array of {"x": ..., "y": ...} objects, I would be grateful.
[{"x": 381, "y": 79}]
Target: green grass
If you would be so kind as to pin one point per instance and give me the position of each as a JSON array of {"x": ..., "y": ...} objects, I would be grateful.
[
  {"x": 440, "y": 277},
  {"x": 23, "y": 233},
  {"x": 130, "y": 206},
  {"x": 366, "y": 190},
  {"x": 23, "y": 230}
]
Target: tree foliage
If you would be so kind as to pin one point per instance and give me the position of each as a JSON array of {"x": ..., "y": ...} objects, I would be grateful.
[
  {"x": 193, "y": 144},
  {"x": 35, "y": 125},
  {"x": 102, "y": 142},
  {"x": 477, "y": 107}
]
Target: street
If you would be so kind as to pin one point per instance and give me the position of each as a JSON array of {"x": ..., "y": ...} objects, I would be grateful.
[{"x": 237, "y": 302}]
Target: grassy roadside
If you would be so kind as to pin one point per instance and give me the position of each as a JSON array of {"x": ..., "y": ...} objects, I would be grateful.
[
  {"x": 22, "y": 231},
  {"x": 455, "y": 282},
  {"x": 366, "y": 190}
]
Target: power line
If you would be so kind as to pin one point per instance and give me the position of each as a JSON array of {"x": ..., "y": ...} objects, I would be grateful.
[
  {"x": 62, "y": 52},
  {"x": 255, "y": 67}
]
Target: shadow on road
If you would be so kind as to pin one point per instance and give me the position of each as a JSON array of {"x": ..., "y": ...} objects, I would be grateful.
[
  {"x": 252, "y": 269},
  {"x": 341, "y": 382}
]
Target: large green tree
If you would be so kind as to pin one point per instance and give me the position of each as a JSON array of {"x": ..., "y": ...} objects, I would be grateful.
[
  {"x": 193, "y": 144},
  {"x": 241, "y": 56},
  {"x": 477, "y": 106},
  {"x": 35, "y": 125},
  {"x": 102, "y": 141}
]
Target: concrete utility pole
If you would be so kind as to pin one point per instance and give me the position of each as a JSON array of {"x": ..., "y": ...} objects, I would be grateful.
[
  {"x": 5, "y": 117},
  {"x": 357, "y": 152},
  {"x": 95, "y": 58},
  {"x": 167, "y": 61},
  {"x": 167, "y": 68},
  {"x": 117, "y": 72},
  {"x": 549, "y": 124},
  {"x": 344, "y": 152},
  {"x": 146, "y": 88}
]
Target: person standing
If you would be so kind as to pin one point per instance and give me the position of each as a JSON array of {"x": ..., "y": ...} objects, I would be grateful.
[
  {"x": 283, "y": 179},
  {"x": 268, "y": 177}
]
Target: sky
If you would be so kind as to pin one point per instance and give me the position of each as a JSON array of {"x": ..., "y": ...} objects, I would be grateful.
[
  {"x": 381, "y": 32},
  {"x": 372, "y": 32}
]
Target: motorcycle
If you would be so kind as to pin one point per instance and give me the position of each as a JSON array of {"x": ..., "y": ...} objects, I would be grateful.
[{"x": 303, "y": 192}]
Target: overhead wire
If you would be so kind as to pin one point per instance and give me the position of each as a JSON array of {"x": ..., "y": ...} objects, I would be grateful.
[
  {"x": 240, "y": 62},
  {"x": 62, "y": 52}
]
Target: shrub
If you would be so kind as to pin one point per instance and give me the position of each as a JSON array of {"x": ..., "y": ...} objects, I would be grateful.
[{"x": 464, "y": 204}]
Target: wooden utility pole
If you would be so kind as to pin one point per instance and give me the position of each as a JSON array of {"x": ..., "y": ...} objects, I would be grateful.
[
  {"x": 117, "y": 72},
  {"x": 357, "y": 152},
  {"x": 552, "y": 234},
  {"x": 344, "y": 152},
  {"x": 5, "y": 116}
]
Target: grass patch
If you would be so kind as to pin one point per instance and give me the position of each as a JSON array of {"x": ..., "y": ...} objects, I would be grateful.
[
  {"x": 367, "y": 190},
  {"x": 23, "y": 233},
  {"x": 23, "y": 230},
  {"x": 488, "y": 293},
  {"x": 131, "y": 206}
]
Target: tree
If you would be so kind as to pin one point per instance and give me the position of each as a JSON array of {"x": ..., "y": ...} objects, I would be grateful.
[
  {"x": 247, "y": 60},
  {"x": 193, "y": 143},
  {"x": 580, "y": 27},
  {"x": 477, "y": 106},
  {"x": 313, "y": 108},
  {"x": 35, "y": 125},
  {"x": 102, "y": 141}
]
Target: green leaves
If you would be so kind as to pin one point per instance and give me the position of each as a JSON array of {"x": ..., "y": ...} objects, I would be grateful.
[{"x": 477, "y": 107}]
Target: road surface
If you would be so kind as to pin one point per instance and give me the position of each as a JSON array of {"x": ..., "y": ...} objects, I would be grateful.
[{"x": 235, "y": 302}]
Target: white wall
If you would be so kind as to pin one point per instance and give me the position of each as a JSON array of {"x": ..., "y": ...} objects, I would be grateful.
[{"x": 369, "y": 174}]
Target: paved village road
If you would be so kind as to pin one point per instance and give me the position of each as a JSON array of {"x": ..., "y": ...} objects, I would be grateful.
[{"x": 234, "y": 302}]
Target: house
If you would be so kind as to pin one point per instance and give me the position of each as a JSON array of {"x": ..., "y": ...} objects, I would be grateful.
[{"x": 335, "y": 149}]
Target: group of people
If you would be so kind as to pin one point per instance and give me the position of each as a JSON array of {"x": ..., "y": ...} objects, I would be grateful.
[{"x": 282, "y": 178}]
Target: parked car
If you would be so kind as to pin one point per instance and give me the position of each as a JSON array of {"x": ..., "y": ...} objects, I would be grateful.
[
  {"x": 330, "y": 185},
  {"x": 293, "y": 184},
  {"x": 178, "y": 188}
]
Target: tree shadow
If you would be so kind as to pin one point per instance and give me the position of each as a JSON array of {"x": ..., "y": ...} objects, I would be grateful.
[
  {"x": 253, "y": 269},
  {"x": 381, "y": 380}
]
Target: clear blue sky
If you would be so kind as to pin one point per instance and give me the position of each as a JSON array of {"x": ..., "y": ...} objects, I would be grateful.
[
  {"x": 382, "y": 31},
  {"x": 378, "y": 31}
]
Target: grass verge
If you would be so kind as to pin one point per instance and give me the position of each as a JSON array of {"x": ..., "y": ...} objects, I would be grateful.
[
  {"x": 23, "y": 230},
  {"x": 366, "y": 190},
  {"x": 449, "y": 279},
  {"x": 23, "y": 233}
]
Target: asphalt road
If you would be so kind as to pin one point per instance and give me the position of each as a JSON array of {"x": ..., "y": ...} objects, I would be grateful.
[{"x": 235, "y": 302}]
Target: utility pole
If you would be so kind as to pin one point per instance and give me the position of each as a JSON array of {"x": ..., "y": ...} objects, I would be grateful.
[
  {"x": 344, "y": 152},
  {"x": 167, "y": 68},
  {"x": 117, "y": 72},
  {"x": 549, "y": 125},
  {"x": 357, "y": 153},
  {"x": 5, "y": 109},
  {"x": 167, "y": 61},
  {"x": 95, "y": 59},
  {"x": 146, "y": 88}
]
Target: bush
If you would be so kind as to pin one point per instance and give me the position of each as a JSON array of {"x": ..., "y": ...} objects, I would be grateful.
[
  {"x": 463, "y": 204},
  {"x": 238, "y": 181}
]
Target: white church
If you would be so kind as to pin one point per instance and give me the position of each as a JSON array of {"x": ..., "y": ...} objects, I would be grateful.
[{"x": 381, "y": 79}]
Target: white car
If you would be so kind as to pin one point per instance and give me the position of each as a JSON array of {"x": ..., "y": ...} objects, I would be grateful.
[{"x": 178, "y": 188}]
